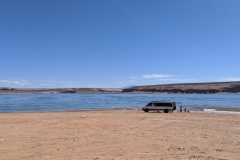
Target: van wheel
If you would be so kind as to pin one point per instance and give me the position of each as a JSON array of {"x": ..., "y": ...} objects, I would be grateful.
[
  {"x": 146, "y": 110},
  {"x": 165, "y": 110}
]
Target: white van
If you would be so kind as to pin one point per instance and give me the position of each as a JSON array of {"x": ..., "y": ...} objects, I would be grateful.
[{"x": 164, "y": 106}]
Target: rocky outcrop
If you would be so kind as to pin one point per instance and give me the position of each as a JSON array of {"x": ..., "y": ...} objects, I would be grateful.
[
  {"x": 201, "y": 88},
  {"x": 68, "y": 92},
  {"x": 233, "y": 89},
  {"x": 5, "y": 90}
]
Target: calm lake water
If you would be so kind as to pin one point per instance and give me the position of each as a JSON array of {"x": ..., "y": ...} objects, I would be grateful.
[{"x": 70, "y": 102}]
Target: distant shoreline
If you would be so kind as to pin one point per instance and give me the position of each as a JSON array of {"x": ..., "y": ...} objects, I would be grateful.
[
  {"x": 183, "y": 88},
  {"x": 204, "y": 111},
  {"x": 115, "y": 93}
]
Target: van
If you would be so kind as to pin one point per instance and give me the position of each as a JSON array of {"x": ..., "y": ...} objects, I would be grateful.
[{"x": 165, "y": 106}]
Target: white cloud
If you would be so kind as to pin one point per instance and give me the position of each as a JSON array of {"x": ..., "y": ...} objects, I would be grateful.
[
  {"x": 132, "y": 77},
  {"x": 56, "y": 84},
  {"x": 10, "y": 82},
  {"x": 66, "y": 85},
  {"x": 177, "y": 80},
  {"x": 46, "y": 84},
  {"x": 157, "y": 76},
  {"x": 3, "y": 81},
  {"x": 131, "y": 81},
  {"x": 119, "y": 82},
  {"x": 92, "y": 85},
  {"x": 232, "y": 79}
]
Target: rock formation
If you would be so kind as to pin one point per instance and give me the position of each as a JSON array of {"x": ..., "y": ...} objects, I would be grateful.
[{"x": 217, "y": 87}]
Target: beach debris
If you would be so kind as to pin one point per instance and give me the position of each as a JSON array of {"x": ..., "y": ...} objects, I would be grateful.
[
  {"x": 46, "y": 156},
  {"x": 195, "y": 157},
  {"x": 209, "y": 110},
  {"x": 219, "y": 150},
  {"x": 76, "y": 139},
  {"x": 173, "y": 148},
  {"x": 1, "y": 140},
  {"x": 235, "y": 142},
  {"x": 84, "y": 116}
]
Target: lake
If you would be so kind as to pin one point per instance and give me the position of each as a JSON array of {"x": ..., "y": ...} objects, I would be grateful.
[{"x": 71, "y": 102}]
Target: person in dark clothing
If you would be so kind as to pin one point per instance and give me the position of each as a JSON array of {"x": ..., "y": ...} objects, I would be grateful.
[{"x": 181, "y": 108}]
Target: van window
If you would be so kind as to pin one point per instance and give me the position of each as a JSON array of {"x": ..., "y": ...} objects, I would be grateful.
[
  {"x": 149, "y": 104},
  {"x": 163, "y": 104}
]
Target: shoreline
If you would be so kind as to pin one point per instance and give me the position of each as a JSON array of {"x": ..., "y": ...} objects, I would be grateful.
[
  {"x": 183, "y": 88},
  {"x": 204, "y": 111},
  {"x": 224, "y": 93}
]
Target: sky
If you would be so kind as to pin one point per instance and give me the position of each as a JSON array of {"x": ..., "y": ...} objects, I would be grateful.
[{"x": 117, "y": 43}]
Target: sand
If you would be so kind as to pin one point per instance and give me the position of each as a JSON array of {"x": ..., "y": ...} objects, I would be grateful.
[{"x": 119, "y": 135}]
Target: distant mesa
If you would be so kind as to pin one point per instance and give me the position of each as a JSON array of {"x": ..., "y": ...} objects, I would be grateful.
[
  {"x": 201, "y": 88},
  {"x": 6, "y": 90},
  {"x": 188, "y": 88}
]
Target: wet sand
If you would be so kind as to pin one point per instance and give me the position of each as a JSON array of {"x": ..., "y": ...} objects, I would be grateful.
[{"x": 119, "y": 135}]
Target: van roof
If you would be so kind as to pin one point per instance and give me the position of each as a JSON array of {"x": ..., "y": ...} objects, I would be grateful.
[{"x": 161, "y": 102}]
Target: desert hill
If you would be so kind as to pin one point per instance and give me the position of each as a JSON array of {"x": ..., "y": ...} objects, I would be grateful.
[
  {"x": 217, "y": 87},
  {"x": 5, "y": 90}
]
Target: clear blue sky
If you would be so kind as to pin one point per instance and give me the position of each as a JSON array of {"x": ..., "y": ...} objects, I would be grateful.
[{"x": 116, "y": 43}]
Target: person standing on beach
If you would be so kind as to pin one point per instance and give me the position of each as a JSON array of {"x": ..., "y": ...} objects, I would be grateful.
[{"x": 181, "y": 108}]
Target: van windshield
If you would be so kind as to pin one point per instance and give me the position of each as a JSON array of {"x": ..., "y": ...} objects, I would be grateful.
[
  {"x": 163, "y": 104},
  {"x": 149, "y": 104}
]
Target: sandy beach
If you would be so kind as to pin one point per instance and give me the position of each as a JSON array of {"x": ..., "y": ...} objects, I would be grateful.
[{"x": 119, "y": 135}]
